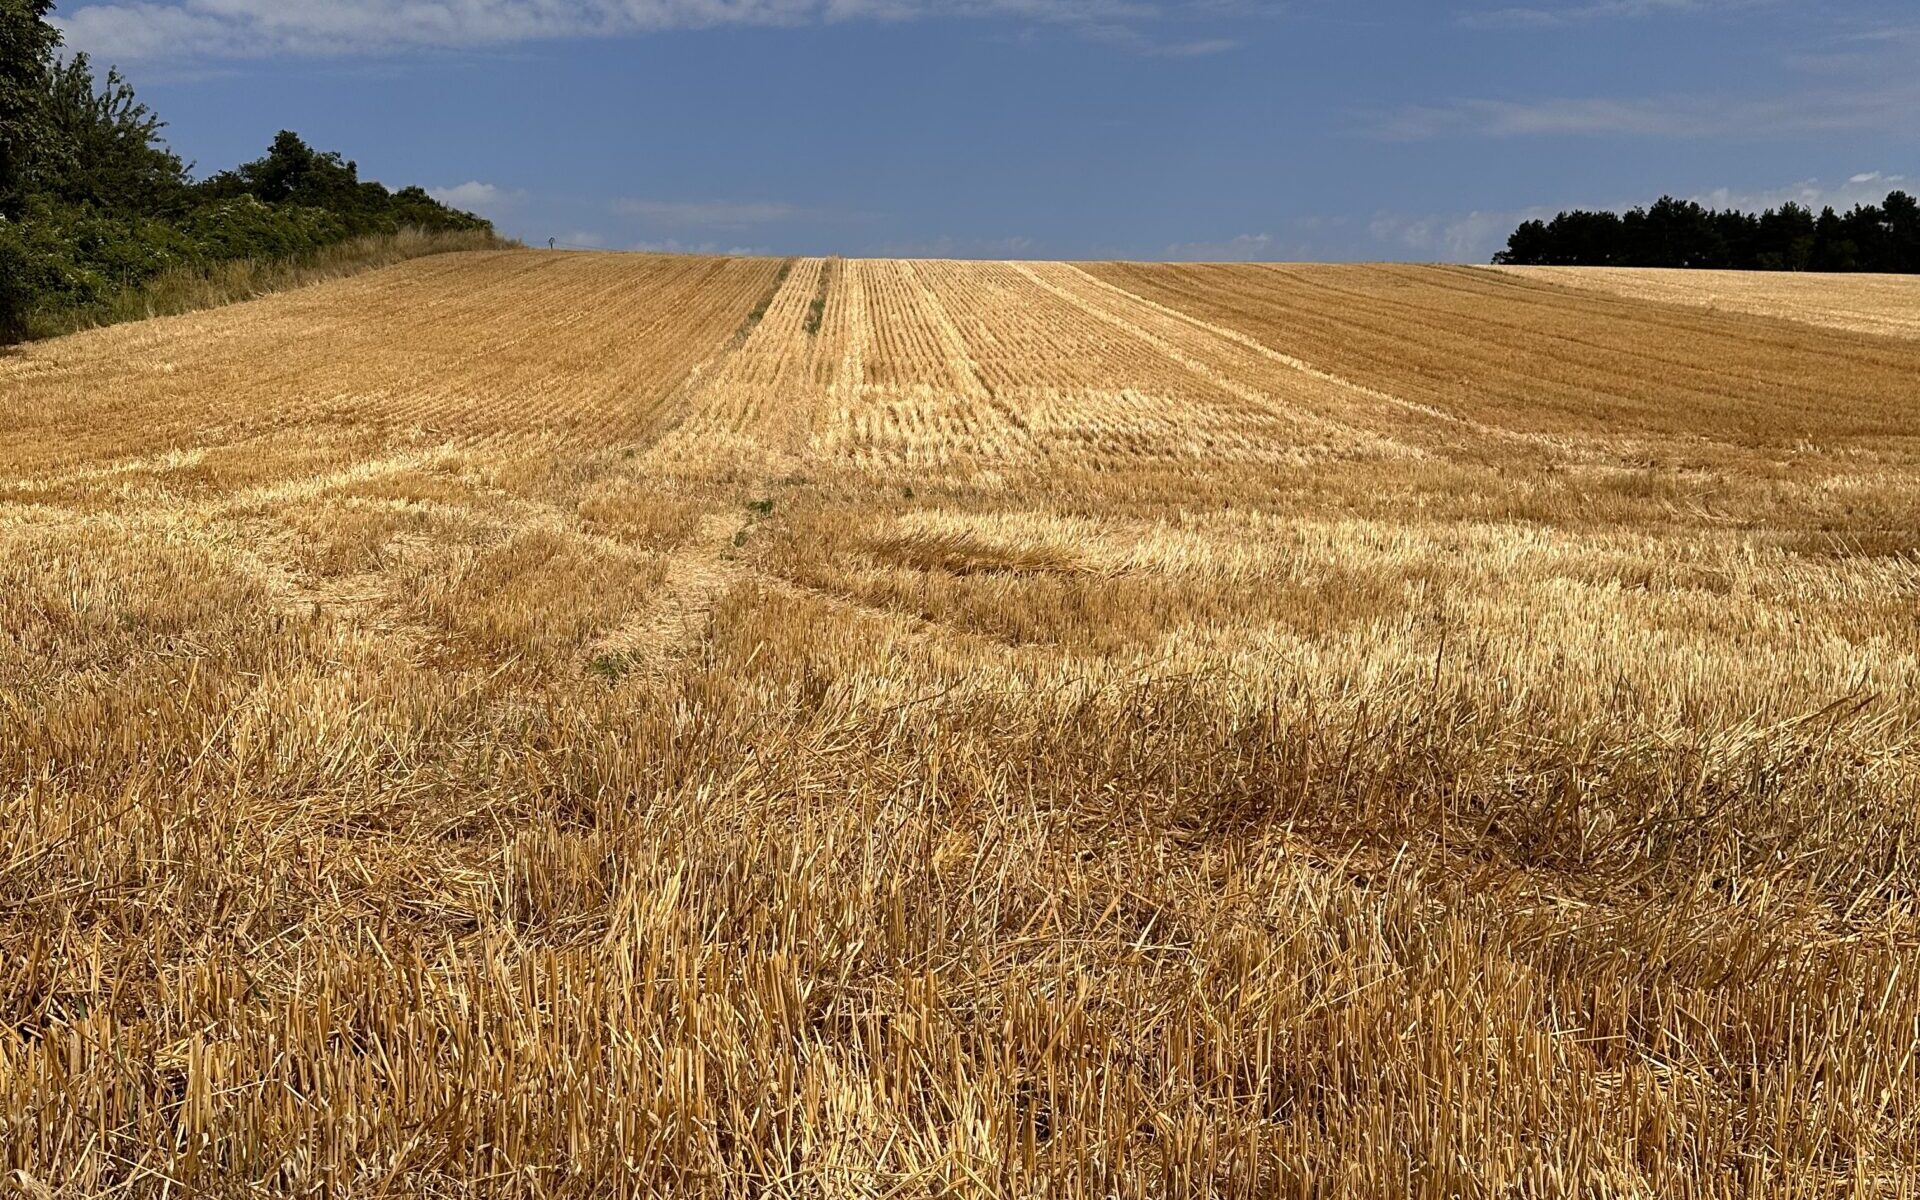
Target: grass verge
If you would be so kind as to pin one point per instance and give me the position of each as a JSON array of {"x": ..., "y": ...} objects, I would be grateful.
[{"x": 190, "y": 290}]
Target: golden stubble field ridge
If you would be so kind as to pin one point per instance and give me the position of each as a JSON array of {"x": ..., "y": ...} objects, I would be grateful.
[{"x": 550, "y": 724}]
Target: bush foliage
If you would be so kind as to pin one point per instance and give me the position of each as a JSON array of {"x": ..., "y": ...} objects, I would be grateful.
[{"x": 93, "y": 204}]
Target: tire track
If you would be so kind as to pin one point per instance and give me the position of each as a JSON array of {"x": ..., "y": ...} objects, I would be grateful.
[
  {"x": 656, "y": 639},
  {"x": 1311, "y": 371},
  {"x": 1211, "y": 372},
  {"x": 745, "y": 433}
]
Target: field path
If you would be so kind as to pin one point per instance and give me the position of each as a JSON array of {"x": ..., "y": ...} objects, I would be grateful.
[
  {"x": 747, "y": 418},
  {"x": 742, "y": 436},
  {"x": 659, "y": 637}
]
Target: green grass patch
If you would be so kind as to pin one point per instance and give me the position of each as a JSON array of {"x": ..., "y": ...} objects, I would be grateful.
[{"x": 817, "y": 308}]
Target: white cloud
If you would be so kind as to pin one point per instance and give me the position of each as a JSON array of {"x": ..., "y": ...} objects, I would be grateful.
[
  {"x": 708, "y": 214},
  {"x": 173, "y": 30},
  {"x": 1848, "y": 83},
  {"x": 1870, "y": 188},
  {"x": 1155, "y": 44},
  {"x": 143, "y": 29},
  {"x": 1456, "y": 237},
  {"x": 670, "y": 217},
  {"x": 1198, "y": 48},
  {"x": 475, "y": 197},
  {"x": 1305, "y": 237},
  {"x": 1473, "y": 237},
  {"x": 1247, "y": 247},
  {"x": 948, "y": 246},
  {"x": 673, "y": 246}
]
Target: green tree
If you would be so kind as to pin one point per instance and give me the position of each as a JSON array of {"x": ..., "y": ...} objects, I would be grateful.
[
  {"x": 101, "y": 146},
  {"x": 292, "y": 172},
  {"x": 1786, "y": 238},
  {"x": 1903, "y": 233},
  {"x": 94, "y": 204},
  {"x": 27, "y": 43},
  {"x": 1682, "y": 233}
]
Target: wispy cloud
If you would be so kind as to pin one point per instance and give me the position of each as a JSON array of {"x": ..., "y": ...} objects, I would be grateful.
[
  {"x": 948, "y": 246},
  {"x": 173, "y": 30},
  {"x": 1561, "y": 16},
  {"x": 709, "y": 214},
  {"x": 1872, "y": 51},
  {"x": 1245, "y": 247},
  {"x": 1889, "y": 107},
  {"x": 1868, "y": 187},
  {"x": 1851, "y": 83},
  {"x": 1305, "y": 237},
  {"x": 674, "y": 246},
  {"x": 146, "y": 29},
  {"x": 1454, "y": 237},
  {"x": 1156, "y": 43}
]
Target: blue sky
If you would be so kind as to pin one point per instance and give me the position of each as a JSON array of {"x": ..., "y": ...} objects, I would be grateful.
[{"x": 1211, "y": 129}]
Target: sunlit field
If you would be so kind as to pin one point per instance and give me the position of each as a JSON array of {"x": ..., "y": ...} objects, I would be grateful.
[
  {"x": 1868, "y": 303},
  {"x": 535, "y": 724}
]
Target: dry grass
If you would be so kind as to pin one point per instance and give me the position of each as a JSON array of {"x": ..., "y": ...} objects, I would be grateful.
[
  {"x": 184, "y": 291},
  {"x": 538, "y": 725},
  {"x": 1885, "y": 304}
]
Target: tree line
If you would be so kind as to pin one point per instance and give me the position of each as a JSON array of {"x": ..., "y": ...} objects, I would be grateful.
[
  {"x": 93, "y": 202},
  {"x": 1680, "y": 233}
]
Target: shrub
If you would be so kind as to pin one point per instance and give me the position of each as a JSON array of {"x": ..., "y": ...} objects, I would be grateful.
[
  {"x": 245, "y": 227},
  {"x": 60, "y": 257}
]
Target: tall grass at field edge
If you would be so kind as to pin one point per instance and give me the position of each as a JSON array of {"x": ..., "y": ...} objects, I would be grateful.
[{"x": 191, "y": 290}]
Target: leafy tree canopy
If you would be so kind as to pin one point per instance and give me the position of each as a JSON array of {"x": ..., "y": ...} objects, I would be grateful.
[
  {"x": 1681, "y": 233},
  {"x": 27, "y": 43},
  {"x": 101, "y": 146}
]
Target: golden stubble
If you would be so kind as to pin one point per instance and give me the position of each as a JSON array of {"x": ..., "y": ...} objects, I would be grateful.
[
  {"x": 535, "y": 724},
  {"x": 1881, "y": 304}
]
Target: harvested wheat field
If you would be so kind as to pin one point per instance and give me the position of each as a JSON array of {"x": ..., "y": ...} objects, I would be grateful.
[
  {"x": 526, "y": 724},
  {"x": 1888, "y": 304}
]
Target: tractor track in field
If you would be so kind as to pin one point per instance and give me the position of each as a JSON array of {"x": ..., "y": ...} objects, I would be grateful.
[{"x": 738, "y": 428}]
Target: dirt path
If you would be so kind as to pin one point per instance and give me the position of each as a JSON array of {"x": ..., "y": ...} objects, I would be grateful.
[
  {"x": 656, "y": 638},
  {"x": 745, "y": 434}
]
